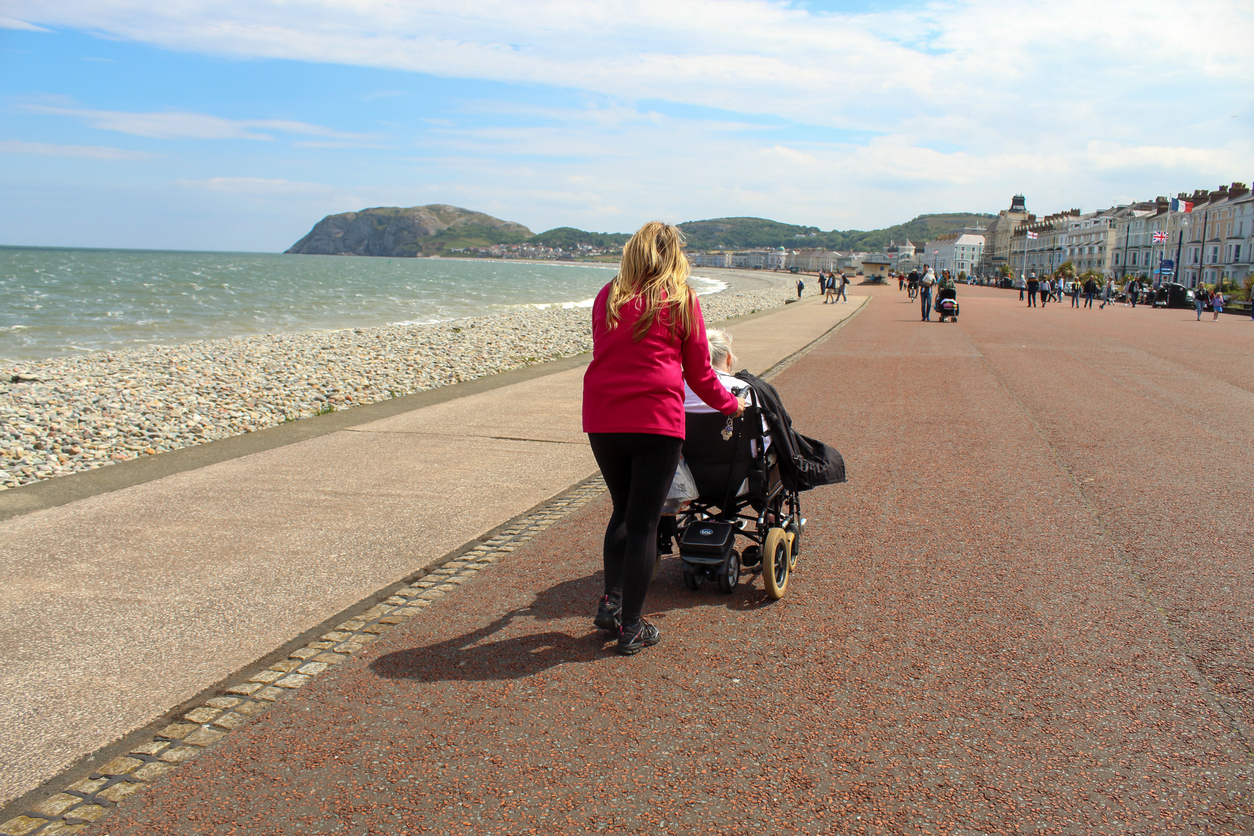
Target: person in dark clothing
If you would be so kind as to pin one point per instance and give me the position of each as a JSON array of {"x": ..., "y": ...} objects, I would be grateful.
[
  {"x": 925, "y": 294},
  {"x": 1033, "y": 287},
  {"x": 1090, "y": 290}
]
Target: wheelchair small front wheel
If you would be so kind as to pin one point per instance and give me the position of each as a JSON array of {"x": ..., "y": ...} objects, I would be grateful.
[
  {"x": 729, "y": 574},
  {"x": 794, "y": 545},
  {"x": 775, "y": 563},
  {"x": 692, "y": 580}
]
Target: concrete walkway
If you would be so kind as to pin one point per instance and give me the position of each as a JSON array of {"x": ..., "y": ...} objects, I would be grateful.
[
  {"x": 132, "y": 589},
  {"x": 1028, "y": 611}
]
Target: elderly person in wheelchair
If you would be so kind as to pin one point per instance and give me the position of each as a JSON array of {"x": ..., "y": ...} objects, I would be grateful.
[
  {"x": 723, "y": 361},
  {"x": 741, "y": 497}
]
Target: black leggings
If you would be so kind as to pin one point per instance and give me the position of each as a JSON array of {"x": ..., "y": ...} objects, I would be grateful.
[{"x": 638, "y": 468}]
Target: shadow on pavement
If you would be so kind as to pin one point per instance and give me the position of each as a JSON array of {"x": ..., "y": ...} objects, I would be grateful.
[{"x": 480, "y": 656}]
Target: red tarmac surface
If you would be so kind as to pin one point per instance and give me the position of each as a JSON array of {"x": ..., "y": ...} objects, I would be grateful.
[{"x": 1029, "y": 611}]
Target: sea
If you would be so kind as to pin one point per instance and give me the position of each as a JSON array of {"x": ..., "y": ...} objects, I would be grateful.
[{"x": 55, "y": 301}]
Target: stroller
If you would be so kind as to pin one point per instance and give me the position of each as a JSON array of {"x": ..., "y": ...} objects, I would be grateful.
[
  {"x": 947, "y": 307},
  {"x": 741, "y": 498}
]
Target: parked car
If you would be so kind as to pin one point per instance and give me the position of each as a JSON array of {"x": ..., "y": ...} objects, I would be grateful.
[{"x": 1173, "y": 295}]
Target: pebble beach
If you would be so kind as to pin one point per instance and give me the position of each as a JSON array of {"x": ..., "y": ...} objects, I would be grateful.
[{"x": 81, "y": 412}]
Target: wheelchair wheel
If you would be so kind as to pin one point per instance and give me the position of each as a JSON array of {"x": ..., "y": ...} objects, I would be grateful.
[
  {"x": 692, "y": 580},
  {"x": 794, "y": 545},
  {"x": 729, "y": 574},
  {"x": 775, "y": 560}
]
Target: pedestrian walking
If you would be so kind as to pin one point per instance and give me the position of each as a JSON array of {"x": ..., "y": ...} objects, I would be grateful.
[
  {"x": 1200, "y": 297},
  {"x": 800, "y": 287},
  {"x": 1047, "y": 290},
  {"x": 1090, "y": 290},
  {"x": 1033, "y": 286},
  {"x": 829, "y": 289},
  {"x": 1108, "y": 290},
  {"x": 1075, "y": 294},
  {"x": 841, "y": 282},
  {"x": 1133, "y": 290},
  {"x": 925, "y": 294},
  {"x": 648, "y": 337},
  {"x": 1217, "y": 304}
]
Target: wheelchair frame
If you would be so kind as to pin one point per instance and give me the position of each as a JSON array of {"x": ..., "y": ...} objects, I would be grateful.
[{"x": 770, "y": 518}]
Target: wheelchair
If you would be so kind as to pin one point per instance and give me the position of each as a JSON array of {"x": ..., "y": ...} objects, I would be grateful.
[{"x": 744, "y": 519}]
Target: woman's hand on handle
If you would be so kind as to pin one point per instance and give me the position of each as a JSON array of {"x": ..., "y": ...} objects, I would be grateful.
[{"x": 740, "y": 407}]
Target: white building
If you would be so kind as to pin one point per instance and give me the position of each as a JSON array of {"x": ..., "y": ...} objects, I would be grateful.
[
  {"x": 715, "y": 259},
  {"x": 958, "y": 251}
]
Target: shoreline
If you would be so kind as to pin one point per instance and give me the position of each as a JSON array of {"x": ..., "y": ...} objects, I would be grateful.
[{"x": 82, "y": 412}]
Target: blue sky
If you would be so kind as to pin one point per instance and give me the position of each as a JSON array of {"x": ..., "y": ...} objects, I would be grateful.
[{"x": 238, "y": 124}]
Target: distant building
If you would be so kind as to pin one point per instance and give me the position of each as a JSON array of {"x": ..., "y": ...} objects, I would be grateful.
[
  {"x": 1043, "y": 253},
  {"x": 1214, "y": 239},
  {"x": 875, "y": 265},
  {"x": 997, "y": 236},
  {"x": 813, "y": 260},
  {"x": 904, "y": 257},
  {"x": 958, "y": 251},
  {"x": 715, "y": 259}
]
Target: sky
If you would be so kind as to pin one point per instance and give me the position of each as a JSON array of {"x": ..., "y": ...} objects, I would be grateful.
[{"x": 238, "y": 124}]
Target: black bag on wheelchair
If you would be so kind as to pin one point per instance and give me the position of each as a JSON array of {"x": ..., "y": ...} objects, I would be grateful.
[
  {"x": 804, "y": 462},
  {"x": 707, "y": 541}
]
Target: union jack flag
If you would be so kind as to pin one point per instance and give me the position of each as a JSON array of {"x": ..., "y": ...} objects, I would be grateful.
[{"x": 1160, "y": 237}]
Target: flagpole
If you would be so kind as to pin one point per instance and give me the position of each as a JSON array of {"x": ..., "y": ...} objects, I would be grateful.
[{"x": 1166, "y": 245}]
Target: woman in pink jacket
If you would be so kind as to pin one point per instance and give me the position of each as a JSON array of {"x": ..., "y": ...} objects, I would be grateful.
[{"x": 648, "y": 338}]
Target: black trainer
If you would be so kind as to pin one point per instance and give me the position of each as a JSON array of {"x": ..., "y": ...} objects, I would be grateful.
[
  {"x": 643, "y": 635},
  {"x": 609, "y": 615}
]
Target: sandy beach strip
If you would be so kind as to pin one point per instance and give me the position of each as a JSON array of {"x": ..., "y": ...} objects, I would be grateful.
[{"x": 78, "y": 413}]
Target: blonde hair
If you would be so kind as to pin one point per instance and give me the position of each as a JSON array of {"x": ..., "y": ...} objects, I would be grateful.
[
  {"x": 655, "y": 269},
  {"x": 720, "y": 345}
]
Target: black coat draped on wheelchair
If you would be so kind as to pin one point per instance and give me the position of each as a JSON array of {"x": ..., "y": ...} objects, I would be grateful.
[{"x": 741, "y": 498}]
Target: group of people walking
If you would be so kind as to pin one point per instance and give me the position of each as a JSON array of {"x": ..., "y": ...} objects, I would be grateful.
[
  {"x": 922, "y": 285},
  {"x": 1054, "y": 288},
  {"x": 831, "y": 285}
]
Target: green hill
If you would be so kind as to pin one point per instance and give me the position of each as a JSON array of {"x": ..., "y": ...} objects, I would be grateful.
[
  {"x": 437, "y": 228},
  {"x": 743, "y": 233},
  {"x": 923, "y": 228},
  {"x": 748, "y": 233},
  {"x": 568, "y": 238},
  {"x": 394, "y": 232}
]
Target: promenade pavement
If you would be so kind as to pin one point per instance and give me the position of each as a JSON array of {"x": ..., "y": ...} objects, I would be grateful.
[
  {"x": 132, "y": 589},
  {"x": 1028, "y": 611}
]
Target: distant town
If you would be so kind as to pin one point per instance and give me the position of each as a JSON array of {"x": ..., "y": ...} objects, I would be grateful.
[{"x": 1202, "y": 238}]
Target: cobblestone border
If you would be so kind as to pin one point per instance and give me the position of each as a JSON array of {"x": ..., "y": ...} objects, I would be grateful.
[{"x": 82, "y": 802}]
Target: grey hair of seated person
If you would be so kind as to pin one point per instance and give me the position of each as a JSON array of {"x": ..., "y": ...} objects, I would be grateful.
[{"x": 720, "y": 346}]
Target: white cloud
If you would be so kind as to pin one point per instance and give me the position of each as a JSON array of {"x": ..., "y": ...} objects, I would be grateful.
[
  {"x": 183, "y": 125},
  {"x": 95, "y": 152},
  {"x": 964, "y": 102},
  {"x": 11, "y": 23}
]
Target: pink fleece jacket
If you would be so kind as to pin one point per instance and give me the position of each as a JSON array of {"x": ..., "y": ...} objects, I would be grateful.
[{"x": 638, "y": 387}]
